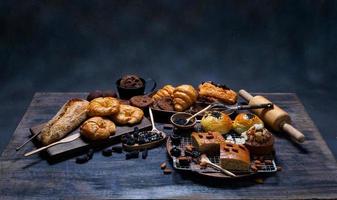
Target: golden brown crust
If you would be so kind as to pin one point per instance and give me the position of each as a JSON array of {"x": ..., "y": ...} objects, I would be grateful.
[
  {"x": 183, "y": 97},
  {"x": 103, "y": 106},
  {"x": 128, "y": 115},
  {"x": 234, "y": 157},
  {"x": 216, "y": 121},
  {"x": 166, "y": 91},
  {"x": 69, "y": 117},
  {"x": 244, "y": 121},
  {"x": 208, "y": 89},
  {"x": 207, "y": 142},
  {"x": 97, "y": 128}
]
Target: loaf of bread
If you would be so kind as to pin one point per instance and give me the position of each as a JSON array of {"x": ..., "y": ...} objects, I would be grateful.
[
  {"x": 68, "y": 118},
  {"x": 184, "y": 96},
  {"x": 207, "y": 142},
  {"x": 166, "y": 91},
  {"x": 234, "y": 157}
]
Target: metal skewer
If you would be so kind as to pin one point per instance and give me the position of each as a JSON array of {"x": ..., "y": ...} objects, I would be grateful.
[{"x": 32, "y": 137}]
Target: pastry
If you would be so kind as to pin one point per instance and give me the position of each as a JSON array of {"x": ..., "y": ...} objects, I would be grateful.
[
  {"x": 183, "y": 97},
  {"x": 128, "y": 115},
  {"x": 166, "y": 91},
  {"x": 259, "y": 141},
  {"x": 141, "y": 101},
  {"x": 165, "y": 103},
  {"x": 244, "y": 121},
  {"x": 131, "y": 82},
  {"x": 103, "y": 106},
  {"x": 234, "y": 157},
  {"x": 97, "y": 128},
  {"x": 219, "y": 92},
  {"x": 68, "y": 118},
  {"x": 216, "y": 121},
  {"x": 207, "y": 142}
]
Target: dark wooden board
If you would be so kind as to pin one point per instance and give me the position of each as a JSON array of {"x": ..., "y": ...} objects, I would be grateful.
[
  {"x": 309, "y": 171},
  {"x": 80, "y": 144}
]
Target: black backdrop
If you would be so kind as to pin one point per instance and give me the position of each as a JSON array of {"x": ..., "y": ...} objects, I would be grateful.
[{"x": 264, "y": 46}]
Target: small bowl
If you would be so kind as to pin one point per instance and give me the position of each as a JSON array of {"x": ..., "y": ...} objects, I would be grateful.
[{"x": 183, "y": 115}]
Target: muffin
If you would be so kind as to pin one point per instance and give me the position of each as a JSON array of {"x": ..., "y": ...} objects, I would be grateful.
[
  {"x": 259, "y": 141},
  {"x": 131, "y": 82}
]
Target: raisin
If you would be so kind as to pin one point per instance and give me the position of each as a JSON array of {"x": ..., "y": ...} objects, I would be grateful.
[
  {"x": 167, "y": 171},
  {"x": 132, "y": 154},
  {"x": 90, "y": 153},
  {"x": 82, "y": 159},
  {"x": 144, "y": 154},
  {"x": 107, "y": 152},
  {"x": 117, "y": 149},
  {"x": 176, "y": 139},
  {"x": 176, "y": 152},
  {"x": 163, "y": 165}
]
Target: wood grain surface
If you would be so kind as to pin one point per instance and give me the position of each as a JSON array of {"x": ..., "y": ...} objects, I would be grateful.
[{"x": 309, "y": 170}]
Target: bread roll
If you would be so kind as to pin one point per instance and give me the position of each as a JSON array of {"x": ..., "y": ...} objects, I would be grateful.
[
  {"x": 216, "y": 121},
  {"x": 68, "y": 118},
  {"x": 244, "y": 121},
  {"x": 184, "y": 96}
]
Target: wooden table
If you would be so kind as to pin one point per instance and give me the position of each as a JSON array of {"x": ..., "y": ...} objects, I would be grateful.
[{"x": 309, "y": 170}]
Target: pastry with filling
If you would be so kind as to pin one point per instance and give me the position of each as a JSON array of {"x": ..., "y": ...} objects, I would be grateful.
[
  {"x": 210, "y": 90},
  {"x": 216, "y": 121},
  {"x": 244, "y": 121}
]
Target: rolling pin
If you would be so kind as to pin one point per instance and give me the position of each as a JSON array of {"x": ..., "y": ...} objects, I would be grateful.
[{"x": 275, "y": 118}]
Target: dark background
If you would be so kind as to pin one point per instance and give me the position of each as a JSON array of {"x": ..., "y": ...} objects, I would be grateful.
[{"x": 262, "y": 46}]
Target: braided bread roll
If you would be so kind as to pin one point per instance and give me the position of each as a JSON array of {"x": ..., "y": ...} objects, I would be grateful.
[
  {"x": 184, "y": 96},
  {"x": 166, "y": 91}
]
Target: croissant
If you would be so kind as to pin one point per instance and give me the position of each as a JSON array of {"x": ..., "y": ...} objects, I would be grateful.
[
  {"x": 166, "y": 91},
  {"x": 183, "y": 97}
]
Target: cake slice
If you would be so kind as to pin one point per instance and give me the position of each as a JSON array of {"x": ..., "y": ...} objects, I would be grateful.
[
  {"x": 207, "y": 142},
  {"x": 234, "y": 157}
]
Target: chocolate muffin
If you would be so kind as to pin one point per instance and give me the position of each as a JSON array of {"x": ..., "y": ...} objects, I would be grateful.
[
  {"x": 131, "y": 82},
  {"x": 259, "y": 141}
]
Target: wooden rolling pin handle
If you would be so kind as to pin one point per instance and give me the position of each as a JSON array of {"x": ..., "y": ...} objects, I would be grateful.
[
  {"x": 244, "y": 94},
  {"x": 293, "y": 132}
]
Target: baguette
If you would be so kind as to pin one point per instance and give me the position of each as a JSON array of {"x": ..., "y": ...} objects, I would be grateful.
[{"x": 69, "y": 117}]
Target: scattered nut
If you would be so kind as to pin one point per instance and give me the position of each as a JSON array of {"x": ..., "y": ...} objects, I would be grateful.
[
  {"x": 257, "y": 162},
  {"x": 253, "y": 168},
  {"x": 163, "y": 165},
  {"x": 167, "y": 171},
  {"x": 259, "y": 180},
  {"x": 268, "y": 162}
]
